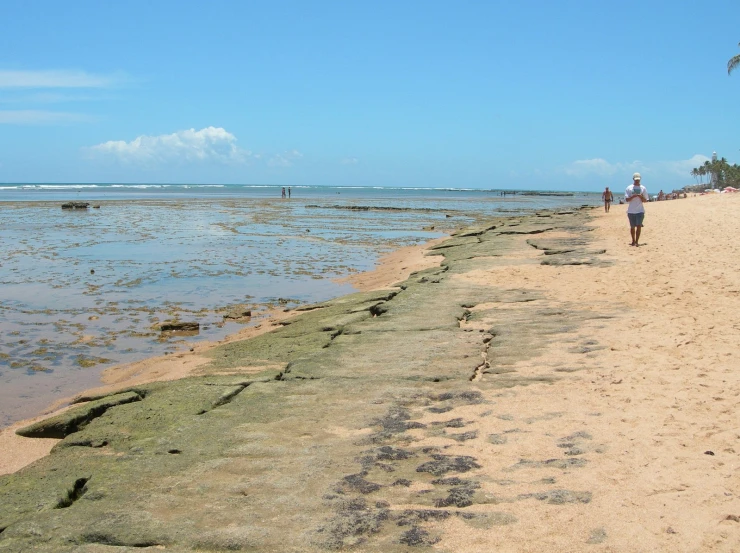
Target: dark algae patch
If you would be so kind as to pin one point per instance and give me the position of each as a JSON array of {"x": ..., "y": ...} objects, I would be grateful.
[{"x": 442, "y": 464}]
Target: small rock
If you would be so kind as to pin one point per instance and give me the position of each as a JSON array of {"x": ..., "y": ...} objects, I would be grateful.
[
  {"x": 709, "y": 452},
  {"x": 238, "y": 314},
  {"x": 186, "y": 326}
]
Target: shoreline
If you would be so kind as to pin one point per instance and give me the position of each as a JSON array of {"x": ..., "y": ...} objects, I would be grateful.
[
  {"x": 20, "y": 451},
  {"x": 73, "y": 304},
  {"x": 546, "y": 387}
]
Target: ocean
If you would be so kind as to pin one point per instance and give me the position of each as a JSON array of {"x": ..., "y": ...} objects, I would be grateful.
[{"x": 85, "y": 289}]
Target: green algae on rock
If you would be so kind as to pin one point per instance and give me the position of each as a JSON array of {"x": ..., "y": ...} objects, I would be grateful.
[{"x": 317, "y": 450}]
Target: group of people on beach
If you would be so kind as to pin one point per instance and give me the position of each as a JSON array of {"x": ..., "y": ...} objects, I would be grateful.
[
  {"x": 670, "y": 196},
  {"x": 283, "y": 193},
  {"x": 635, "y": 195}
]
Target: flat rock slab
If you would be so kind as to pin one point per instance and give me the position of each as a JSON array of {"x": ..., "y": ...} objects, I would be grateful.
[
  {"x": 320, "y": 452},
  {"x": 72, "y": 421}
]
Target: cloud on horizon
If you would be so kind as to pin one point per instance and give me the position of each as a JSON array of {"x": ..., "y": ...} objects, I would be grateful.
[
  {"x": 207, "y": 144},
  {"x": 285, "y": 159},
  {"x": 599, "y": 167},
  {"x": 682, "y": 167}
]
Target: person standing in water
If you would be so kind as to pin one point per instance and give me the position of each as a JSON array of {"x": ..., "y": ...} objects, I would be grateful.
[
  {"x": 608, "y": 198},
  {"x": 636, "y": 195},
  {"x": 289, "y": 192}
]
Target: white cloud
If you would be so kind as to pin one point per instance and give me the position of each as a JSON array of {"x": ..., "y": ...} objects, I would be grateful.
[
  {"x": 601, "y": 167},
  {"x": 208, "y": 144},
  {"x": 349, "y": 161},
  {"x": 34, "y": 89},
  {"x": 57, "y": 79},
  {"x": 682, "y": 167},
  {"x": 40, "y": 117},
  {"x": 598, "y": 167},
  {"x": 285, "y": 159}
]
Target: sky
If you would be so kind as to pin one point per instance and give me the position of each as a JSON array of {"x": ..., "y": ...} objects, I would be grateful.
[{"x": 566, "y": 95}]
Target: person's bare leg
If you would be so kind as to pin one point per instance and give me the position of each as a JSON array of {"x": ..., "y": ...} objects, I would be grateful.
[
  {"x": 632, "y": 232},
  {"x": 637, "y": 235}
]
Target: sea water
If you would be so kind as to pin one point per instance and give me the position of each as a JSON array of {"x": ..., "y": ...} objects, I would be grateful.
[{"x": 85, "y": 289}]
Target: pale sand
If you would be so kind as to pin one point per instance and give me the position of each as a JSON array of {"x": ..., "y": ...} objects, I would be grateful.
[
  {"x": 661, "y": 393},
  {"x": 396, "y": 267},
  {"x": 659, "y": 403}
]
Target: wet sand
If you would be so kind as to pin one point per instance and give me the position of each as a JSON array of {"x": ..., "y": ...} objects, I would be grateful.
[{"x": 626, "y": 437}]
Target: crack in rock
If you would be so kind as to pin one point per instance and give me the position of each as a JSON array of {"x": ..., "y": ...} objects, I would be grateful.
[
  {"x": 77, "y": 490},
  {"x": 226, "y": 397},
  {"x": 74, "y": 420},
  {"x": 107, "y": 539}
]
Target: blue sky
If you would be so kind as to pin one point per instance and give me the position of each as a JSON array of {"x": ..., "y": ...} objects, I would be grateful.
[{"x": 529, "y": 94}]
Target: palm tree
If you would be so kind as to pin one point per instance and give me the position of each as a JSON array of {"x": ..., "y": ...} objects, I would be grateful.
[
  {"x": 733, "y": 175},
  {"x": 708, "y": 172},
  {"x": 703, "y": 171},
  {"x": 733, "y": 63}
]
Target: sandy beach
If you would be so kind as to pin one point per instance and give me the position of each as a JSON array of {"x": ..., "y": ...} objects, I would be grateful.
[
  {"x": 654, "y": 393},
  {"x": 586, "y": 401}
]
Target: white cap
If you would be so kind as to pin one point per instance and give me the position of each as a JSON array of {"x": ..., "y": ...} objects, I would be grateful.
[{"x": 636, "y": 176}]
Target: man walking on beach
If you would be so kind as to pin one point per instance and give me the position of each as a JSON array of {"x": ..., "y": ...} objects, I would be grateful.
[
  {"x": 608, "y": 198},
  {"x": 636, "y": 195}
]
